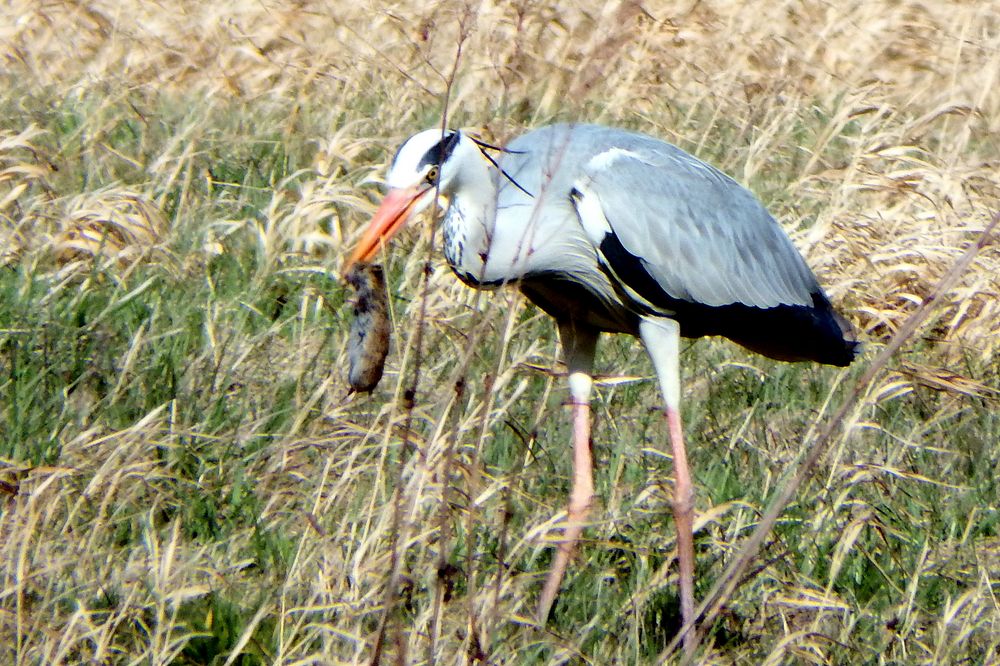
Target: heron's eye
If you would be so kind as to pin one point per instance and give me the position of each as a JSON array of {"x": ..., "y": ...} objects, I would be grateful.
[{"x": 432, "y": 175}]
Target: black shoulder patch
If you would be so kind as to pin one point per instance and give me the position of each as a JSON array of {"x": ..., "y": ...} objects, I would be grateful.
[
  {"x": 784, "y": 332},
  {"x": 629, "y": 269},
  {"x": 440, "y": 151}
]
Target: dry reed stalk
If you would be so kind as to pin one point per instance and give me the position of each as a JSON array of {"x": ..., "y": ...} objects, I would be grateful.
[{"x": 869, "y": 129}]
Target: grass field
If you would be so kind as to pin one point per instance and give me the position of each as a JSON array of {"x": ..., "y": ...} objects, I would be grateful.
[{"x": 185, "y": 479}]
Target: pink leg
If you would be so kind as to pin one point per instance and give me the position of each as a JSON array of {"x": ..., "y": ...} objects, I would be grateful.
[
  {"x": 662, "y": 340},
  {"x": 580, "y": 500},
  {"x": 684, "y": 520},
  {"x": 579, "y": 346}
]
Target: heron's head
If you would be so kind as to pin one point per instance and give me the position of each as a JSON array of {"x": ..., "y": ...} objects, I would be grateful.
[{"x": 426, "y": 165}]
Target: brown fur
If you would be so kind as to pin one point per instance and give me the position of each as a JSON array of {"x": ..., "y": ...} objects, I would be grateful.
[{"x": 368, "y": 341}]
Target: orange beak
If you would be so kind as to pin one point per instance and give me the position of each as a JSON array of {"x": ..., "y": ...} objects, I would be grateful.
[{"x": 390, "y": 216}]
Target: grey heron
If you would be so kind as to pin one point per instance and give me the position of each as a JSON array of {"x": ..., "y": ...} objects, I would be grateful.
[{"x": 613, "y": 231}]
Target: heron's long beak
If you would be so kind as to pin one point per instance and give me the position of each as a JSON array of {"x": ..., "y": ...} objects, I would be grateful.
[{"x": 390, "y": 216}]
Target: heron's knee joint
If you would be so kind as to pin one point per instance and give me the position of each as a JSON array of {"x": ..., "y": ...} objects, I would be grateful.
[
  {"x": 684, "y": 500},
  {"x": 581, "y": 503}
]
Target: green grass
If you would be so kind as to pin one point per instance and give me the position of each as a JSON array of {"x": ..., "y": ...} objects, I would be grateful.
[
  {"x": 208, "y": 350},
  {"x": 185, "y": 478}
]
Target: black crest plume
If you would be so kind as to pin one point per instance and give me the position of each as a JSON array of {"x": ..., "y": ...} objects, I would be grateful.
[{"x": 483, "y": 147}]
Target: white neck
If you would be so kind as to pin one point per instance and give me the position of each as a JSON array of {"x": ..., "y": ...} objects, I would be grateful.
[
  {"x": 496, "y": 232},
  {"x": 470, "y": 219}
]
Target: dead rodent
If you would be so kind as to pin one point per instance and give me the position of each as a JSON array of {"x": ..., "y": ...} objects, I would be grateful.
[{"x": 368, "y": 343}]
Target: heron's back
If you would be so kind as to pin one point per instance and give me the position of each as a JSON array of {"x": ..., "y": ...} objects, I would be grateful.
[{"x": 683, "y": 240}]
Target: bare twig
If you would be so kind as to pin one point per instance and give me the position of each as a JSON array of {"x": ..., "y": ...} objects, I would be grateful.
[{"x": 410, "y": 400}]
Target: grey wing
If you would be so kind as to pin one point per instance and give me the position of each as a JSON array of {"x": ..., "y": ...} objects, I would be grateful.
[{"x": 701, "y": 236}]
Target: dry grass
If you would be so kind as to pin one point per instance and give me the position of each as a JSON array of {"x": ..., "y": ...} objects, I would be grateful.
[{"x": 182, "y": 477}]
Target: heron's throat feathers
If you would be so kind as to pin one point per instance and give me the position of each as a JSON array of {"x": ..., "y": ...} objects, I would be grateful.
[
  {"x": 471, "y": 213},
  {"x": 467, "y": 232}
]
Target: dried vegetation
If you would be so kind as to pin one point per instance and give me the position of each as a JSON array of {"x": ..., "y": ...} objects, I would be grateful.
[{"x": 183, "y": 477}]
